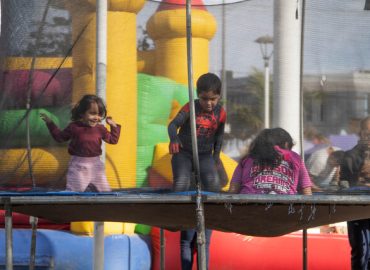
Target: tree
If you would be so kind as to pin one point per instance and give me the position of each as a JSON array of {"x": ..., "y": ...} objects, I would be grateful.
[
  {"x": 52, "y": 35},
  {"x": 310, "y": 98},
  {"x": 144, "y": 42},
  {"x": 246, "y": 118}
]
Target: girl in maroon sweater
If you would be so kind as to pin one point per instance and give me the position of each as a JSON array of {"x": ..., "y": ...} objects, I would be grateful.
[{"x": 85, "y": 134}]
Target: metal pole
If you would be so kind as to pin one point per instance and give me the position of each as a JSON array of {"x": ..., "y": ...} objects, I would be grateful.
[
  {"x": 199, "y": 204},
  {"x": 100, "y": 83},
  {"x": 29, "y": 94},
  {"x": 101, "y": 48},
  {"x": 301, "y": 122},
  {"x": 304, "y": 249},
  {"x": 223, "y": 58},
  {"x": 33, "y": 222},
  {"x": 162, "y": 249},
  {"x": 98, "y": 245},
  {"x": 267, "y": 94},
  {"x": 304, "y": 233},
  {"x": 8, "y": 236},
  {"x": 264, "y": 42}
]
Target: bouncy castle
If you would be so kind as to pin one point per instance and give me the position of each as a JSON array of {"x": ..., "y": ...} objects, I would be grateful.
[{"x": 48, "y": 61}]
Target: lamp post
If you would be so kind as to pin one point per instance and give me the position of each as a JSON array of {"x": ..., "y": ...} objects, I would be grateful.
[{"x": 264, "y": 43}]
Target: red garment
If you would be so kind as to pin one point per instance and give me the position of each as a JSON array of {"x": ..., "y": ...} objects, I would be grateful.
[{"x": 85, "y": 141}]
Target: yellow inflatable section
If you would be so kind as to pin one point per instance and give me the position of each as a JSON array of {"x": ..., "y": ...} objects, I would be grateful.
[
  {"x": 19, "y": 63},
  {"x": 49, "y": 165},
  {"x": 121, "y": 97},
  {"x": 87, "y": 228},
  {"x": 162, "y": 163},
  {"x": 168, "y": 29}
]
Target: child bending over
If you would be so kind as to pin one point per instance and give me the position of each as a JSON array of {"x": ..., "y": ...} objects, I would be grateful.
[{"x": 271, "y": 167}]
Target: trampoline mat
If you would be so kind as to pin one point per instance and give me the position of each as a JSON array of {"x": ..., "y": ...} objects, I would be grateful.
[{"x": 255, "y": 215}]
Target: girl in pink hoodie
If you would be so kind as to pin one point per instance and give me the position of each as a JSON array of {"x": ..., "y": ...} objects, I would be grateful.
[{"x": 271, "y": 167}]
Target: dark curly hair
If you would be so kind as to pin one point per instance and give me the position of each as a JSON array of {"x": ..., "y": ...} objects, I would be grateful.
[
  {"x": 209, "y": 82},
  {"x": 84, "y": 104},
  {"x": 262, "y": 149}
]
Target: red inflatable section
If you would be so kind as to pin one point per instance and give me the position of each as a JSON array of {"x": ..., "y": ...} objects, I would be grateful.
[
  {"x": 231, "y": 251},
  {"x": 21, "y": 221},
  {"x": 157, "y": 180},
  {"x": 177, "y": 4},
  {"x": 56, "y": 93}
]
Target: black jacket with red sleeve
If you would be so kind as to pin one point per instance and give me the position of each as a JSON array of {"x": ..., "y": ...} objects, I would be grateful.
[{"x": 209, "y": 129}]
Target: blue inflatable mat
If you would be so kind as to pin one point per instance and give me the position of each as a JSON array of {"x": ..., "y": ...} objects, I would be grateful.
[{"x": 60, "y": 250}]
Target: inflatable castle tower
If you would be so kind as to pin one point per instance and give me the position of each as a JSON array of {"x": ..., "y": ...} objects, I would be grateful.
[{"x": 129, "y": 73}]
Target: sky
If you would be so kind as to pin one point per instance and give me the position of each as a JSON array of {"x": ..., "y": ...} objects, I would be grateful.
[{"x": 336, "y": 35}]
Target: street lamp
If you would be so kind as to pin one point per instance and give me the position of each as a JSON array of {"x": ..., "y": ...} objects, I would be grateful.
[{"x": 264, "y": 43}]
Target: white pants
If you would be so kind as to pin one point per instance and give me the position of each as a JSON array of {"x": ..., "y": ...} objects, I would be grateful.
[{"x": 83, "y": 171}]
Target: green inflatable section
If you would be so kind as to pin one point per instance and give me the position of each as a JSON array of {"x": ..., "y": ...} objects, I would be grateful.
[
  {"x": 144, "y": 161},
  {"x": 155, "y": 96},
  {"x": 155, "y": 100},
  {"x": 13, "y": 128},
  {"x": 142, "y": 229}
]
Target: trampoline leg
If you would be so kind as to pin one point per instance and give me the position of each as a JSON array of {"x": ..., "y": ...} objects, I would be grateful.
[
  {"x": 162, "y": 249},
  {"x": 201, "y": 239},
  {"x": 99, "y": 245},
  {"x": 8, "y": 236},
  {"x": 33, "y": 222},
  {"x": 304, "y": 242}
]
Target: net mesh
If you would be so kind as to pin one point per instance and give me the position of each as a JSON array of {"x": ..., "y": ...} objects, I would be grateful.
[{"x": 47, "y": 61}]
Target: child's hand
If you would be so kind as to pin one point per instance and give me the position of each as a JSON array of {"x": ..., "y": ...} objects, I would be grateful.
[
  {"x": 110, "y": 121},
  {"x": 46, "y": 119},
  {"x": 174, "y": 148}
]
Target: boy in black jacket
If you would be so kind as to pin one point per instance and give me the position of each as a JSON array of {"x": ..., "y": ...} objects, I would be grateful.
[{"x": 210, "y": 120}]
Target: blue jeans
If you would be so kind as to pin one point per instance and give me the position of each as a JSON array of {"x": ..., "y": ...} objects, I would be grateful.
[
  {"x": 182, "y": 169},
  {"x": 188, "y": 243},
  {"x": 359, "y": 239}
]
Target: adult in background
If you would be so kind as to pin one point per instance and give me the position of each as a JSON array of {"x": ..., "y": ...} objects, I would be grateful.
[
  {"x": 355, "y": 169},
  {"x": 324, "y": 167}
]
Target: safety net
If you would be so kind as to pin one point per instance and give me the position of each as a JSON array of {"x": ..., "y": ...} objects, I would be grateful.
[{"x": 300, "y": 65}]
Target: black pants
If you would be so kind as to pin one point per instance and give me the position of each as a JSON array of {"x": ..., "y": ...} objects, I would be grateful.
[
  {"x": 188, "y": 244},
  {"x": 359, "y": 239},
  {"x": 182, "y": 169}
]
